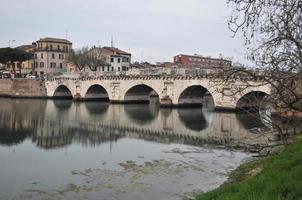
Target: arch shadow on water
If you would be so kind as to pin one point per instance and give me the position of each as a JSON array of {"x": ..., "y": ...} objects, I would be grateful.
[
  {"x": 97, "y": 107},
  {"x": 141, "y": 114},
  {"x": 141, "y": 94},
  {"x": 96, "y": 93},
  {"x": 62, "y": 92},
  {"x": 196, "y": 96},
  {"x": 193, "y": 119},
  {"x": 250, "y": 120},
  {"x": 63, "y": 104},
  {"x": 254, "y": 110},
  {"x": 253, "y": 102}
]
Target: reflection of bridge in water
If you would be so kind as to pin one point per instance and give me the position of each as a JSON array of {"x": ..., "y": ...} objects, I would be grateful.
[{"x": 53, "y": 124}]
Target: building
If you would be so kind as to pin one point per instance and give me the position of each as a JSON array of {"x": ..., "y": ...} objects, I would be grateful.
[
  {"x": 167, "y": 64},
  {"x": 71, "y": 68},
  {"x": 114, "y": 59},
  {"x": 50, "y": 55},
  {"x": 18, "y": 68},
  {"x": 198, "y": 61},
  {"x": 142, "y": 65},
  {"x": 27, "y": 66}
]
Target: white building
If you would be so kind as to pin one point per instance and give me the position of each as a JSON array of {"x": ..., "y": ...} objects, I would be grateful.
[
  {"x": 50, "y": 55},
  {"x": 115, "y": 59}
]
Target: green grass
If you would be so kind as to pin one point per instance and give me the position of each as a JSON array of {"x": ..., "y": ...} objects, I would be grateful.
[{"x": 275, "y": 177}]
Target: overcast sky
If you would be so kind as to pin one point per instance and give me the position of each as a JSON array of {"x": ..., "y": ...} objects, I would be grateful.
[{"x": 152, "y": 30}]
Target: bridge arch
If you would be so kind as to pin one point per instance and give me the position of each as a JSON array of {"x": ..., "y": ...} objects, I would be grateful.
[
  {"x": 96, "y": 92},
  {"x": 252, "y": 101},
  {"x": 140, "y": 93},
  {"x": 195, "y": 95},
  {"x": 62, "y": 92}
]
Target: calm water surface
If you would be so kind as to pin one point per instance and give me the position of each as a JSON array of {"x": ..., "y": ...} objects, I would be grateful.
[{"x": 64, "y": 150}]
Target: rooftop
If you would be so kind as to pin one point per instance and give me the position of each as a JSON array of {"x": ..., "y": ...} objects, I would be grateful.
[
  {"x": 117, "y": 51},
  {"x": 27, "y": 47},
  {"x": 58, "y": 40},
  {"x": 200, "y": 56}
]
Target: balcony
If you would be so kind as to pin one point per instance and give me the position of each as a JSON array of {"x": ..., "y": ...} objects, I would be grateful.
[{"x": 51, "y": 50}]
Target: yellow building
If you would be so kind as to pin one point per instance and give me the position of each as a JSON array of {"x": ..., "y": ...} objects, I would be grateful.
[
  {"x": 27, "y": 66},
  {"x": 21, "y": 68}
]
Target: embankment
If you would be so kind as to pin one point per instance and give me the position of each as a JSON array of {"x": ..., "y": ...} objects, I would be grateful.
[
  {"x": 22, "y": 88},
  {"x": 274, "y": 177}
]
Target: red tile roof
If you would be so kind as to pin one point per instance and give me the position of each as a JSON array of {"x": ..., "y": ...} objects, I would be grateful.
[{"x": 117, "y": 51}]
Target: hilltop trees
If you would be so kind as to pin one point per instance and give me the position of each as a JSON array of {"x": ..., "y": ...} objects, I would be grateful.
[
  {"x": 12, "y": 55},
  {"x": 87, "y": 57}
]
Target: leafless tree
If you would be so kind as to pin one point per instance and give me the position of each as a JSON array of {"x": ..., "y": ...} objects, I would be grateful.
[
  {"x": 272, "y": 32},
  {"x": 91, "y": 57}
]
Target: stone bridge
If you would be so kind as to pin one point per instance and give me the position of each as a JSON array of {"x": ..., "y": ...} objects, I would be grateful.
[{"x": 170, "y": 90}]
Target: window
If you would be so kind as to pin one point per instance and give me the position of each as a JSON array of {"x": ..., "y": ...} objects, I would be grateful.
[
  {"x": 125, "y": 59},
  {"x": 124, "y": 68},
  {"x": 42, "y": 55},
  {"x": 112, "y": 60},
  {"x": 41, "y": 64},
  {"x": 51, "y": 47},
  {"x": 108, "y": 68},
  {"x": 36, "y": 56},
  {"x": 103, "y": 68},
  {"x": 52, "y": 65},
  {"x": 112, "y": 69},
  {"x": 58, "y": 47},
  {"x": 118, "y": 60},
  {"x": 119, "y": 68},
  {"x": 62, "y": 56},
  {"x": 61, "y": 66},
  {"x": 53, "y": 56}
]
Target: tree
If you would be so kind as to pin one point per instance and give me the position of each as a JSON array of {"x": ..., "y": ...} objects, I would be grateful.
[
  {"x": 12, "y": 55},
  {"x": 272, "y": 32},
  {"x": 88, "y": 57}
]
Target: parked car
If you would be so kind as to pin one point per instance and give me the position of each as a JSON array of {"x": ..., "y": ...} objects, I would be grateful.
[{"x": 30, "y": 76}]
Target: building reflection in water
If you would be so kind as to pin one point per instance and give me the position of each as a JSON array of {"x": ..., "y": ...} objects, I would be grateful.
[{"x": 55, "y": 124}]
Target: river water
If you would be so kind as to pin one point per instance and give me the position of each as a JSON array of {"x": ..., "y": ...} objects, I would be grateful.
[{"x": 58, "y": 149}]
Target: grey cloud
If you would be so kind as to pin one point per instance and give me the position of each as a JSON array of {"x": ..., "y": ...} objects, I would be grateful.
[{"x": 157, "y": 29}]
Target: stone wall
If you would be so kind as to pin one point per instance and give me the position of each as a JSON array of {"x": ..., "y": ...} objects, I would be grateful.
[{"x": 27, "y": 88}]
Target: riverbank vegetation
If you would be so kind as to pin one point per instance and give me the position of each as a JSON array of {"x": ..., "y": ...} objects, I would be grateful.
[{"x": 273, "y": 177}]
